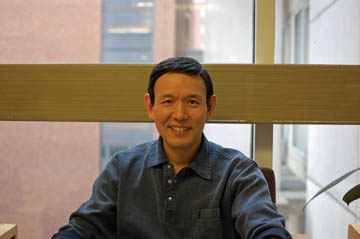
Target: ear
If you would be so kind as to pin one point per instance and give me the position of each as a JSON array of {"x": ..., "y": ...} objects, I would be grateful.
[
  {"x": 211, "y": 107},
  {"x": 149, "y": 106}
]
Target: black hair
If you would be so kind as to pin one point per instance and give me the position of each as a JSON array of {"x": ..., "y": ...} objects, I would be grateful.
[{"x": 184, "y": 65}]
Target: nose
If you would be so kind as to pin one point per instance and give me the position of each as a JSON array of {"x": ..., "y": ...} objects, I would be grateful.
[{"x": 180, "y": 112}]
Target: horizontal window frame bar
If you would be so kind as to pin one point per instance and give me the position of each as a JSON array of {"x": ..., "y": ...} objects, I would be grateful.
[{"x": 246, "y": 93}]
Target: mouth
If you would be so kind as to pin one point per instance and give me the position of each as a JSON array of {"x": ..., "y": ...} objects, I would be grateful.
[{"x": 179, "y": 128}]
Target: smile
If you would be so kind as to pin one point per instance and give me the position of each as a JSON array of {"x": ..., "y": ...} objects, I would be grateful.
[{"x": 179, "y": 129}]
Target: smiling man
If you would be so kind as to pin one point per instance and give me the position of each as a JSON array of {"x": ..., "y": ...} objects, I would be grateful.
[
  {"x": 181, "y": 185},
  {"x": 180, "y": 110}
]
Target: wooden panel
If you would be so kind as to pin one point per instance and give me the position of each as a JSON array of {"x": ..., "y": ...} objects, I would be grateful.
[
  {"x": 263, "y": 154},
  {"x": 326, "y": 94},
  {"x": 73, "y": 92},
  {"x": 265, "y": 31},
  {"x": 264, "y": 54},
  {"x": 8, "y": 231},
  {"x": 300, "y": 236}
]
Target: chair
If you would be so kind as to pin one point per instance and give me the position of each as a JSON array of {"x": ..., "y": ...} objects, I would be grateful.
[{"x": 270, "y": 179}]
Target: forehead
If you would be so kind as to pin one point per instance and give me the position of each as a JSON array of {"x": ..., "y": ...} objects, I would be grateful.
[{"x": 180, "y": 82}]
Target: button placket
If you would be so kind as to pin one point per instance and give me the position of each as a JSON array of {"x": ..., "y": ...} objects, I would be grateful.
[
  {"x": 170, "y": 192},
  {"x": 169, "y": 189}
]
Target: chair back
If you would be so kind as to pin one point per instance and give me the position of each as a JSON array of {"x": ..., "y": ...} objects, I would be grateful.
[{"x": 270, "y": 179}]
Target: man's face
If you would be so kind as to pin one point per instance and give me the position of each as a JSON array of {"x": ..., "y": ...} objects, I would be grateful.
[{"x": 180, "y": 110}]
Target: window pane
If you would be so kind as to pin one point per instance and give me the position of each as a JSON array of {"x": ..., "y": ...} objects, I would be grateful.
[
  {"x": 308, "y": 157},
  {"x": 50, "y": 31},
  {"x": 120, "y": 136},
  {"x": 193, "y": 28},
  {"x": 47, "y": 169},
  {"x": 127, "y": 30},
  {"x": 300, "y": 138}
]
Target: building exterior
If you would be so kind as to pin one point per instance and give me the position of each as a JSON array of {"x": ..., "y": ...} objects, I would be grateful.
[
  {"x": 47, "y": 168},
  {"x": 318, "y": 32}
]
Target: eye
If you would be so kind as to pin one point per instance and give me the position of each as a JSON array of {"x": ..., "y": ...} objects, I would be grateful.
[
  {"x": 166, "y": 101},
  {"x": 193, "y": 102}
]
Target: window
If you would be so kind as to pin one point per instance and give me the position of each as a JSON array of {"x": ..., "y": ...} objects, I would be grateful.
[
  {"x": 314, "y": 155},
  {"x": 132, "y": 32}
]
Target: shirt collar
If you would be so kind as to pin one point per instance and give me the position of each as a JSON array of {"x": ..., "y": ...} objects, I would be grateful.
[
  {"x": 157, "y": 155},
  {"x": 200, "y": 163}
]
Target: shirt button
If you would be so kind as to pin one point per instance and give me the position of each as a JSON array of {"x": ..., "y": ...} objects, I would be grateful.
[
  {"x": 169, "y": 181},
  {"x": 169, "y": 198}
]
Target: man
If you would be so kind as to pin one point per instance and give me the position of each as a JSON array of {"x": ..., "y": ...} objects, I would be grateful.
[{"x": 182, "y": 185}]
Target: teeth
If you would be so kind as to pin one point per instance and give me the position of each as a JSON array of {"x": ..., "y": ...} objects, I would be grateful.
[{"x": 179, "y": 129}]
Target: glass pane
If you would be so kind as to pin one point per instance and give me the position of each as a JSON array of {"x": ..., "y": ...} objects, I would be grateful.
[
  {"x": 135, "y": 32},
  {"x": 120, "y": 136},
  {"x": 47, "y": 169},
  {"x": 50, "y": 32},
  {"x": 127, "y": 30},
  {"x": 300, "y": 138},
  {"x": 308, "y": 157}
]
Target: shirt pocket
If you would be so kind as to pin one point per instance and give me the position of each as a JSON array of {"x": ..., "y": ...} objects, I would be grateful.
[{"x": 207, "y": 224}]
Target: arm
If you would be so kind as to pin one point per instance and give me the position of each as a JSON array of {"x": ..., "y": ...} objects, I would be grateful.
[
  {"x": 254, "y": 213},
  {"x": 96, "y": 218},
  {"x": 67, "y": 234}
]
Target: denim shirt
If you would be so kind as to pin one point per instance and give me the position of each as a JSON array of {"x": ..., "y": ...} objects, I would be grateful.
[{"x": 220, "y": 194}]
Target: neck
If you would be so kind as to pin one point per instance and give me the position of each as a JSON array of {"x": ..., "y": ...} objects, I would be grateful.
[{"x": 180, "y": 158}]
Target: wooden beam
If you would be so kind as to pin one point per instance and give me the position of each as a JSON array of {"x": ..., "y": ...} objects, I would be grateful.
[
  {"x": 265, "y": 32},
  {"x": 320, "y": 94},
  {"x": 300, "y": 236},
  {"x": 264, "y": 54}
]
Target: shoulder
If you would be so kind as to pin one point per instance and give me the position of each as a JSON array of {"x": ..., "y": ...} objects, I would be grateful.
[
  {"x": 128, "y": 157},
  {"x": 139, "y": 149},
  {"x": 228, "y": 155},
  {"x": 231, "y": 163}
]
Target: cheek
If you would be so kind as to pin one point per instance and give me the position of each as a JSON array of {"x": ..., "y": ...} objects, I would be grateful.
[
  {"x": 160, "y": 117},
  {"x": 200, "y": 119}
]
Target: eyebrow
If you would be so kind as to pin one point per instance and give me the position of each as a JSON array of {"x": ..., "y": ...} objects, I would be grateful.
[
  {"x": 194, "y": 96},
  {"x": 166, "y": 96},
  {"x": 188, "y": 97}
]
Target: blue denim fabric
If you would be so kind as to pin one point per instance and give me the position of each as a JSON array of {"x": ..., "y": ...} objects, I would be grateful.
[{"x": 220, "y": 194}]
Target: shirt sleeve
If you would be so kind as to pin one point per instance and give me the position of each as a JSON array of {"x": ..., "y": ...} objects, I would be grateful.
[
  {"x": 96, "y": 218},
  {"x": 256, "y": 216},
  {"x": 67, "y": 234},
  {"x": 274, "y": 233}
]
